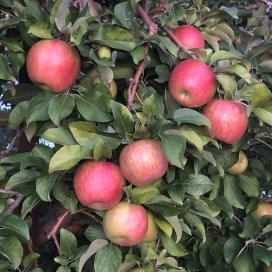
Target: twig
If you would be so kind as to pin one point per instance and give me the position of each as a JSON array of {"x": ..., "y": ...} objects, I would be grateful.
[
  {"x": 153, "y": 28},
  {"x": 6, "y": 152},
  {"x": 15, "y": 203},
  {"x": 90, "y": 215},
  {"x": 257, "y": 5},
  {"x": 57, "y": 225},
  {"x": 56, "y": 242}
]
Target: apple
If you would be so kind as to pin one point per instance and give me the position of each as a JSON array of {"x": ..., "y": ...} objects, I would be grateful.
[
  {"x": 228, "y": 119},
  {"x": 192, "y": 83},
  {"x": 104, "y": 52},
  {"x": 143, "y": 161},
  {"x": 126, "y": 224},
  {"x": 152, "y": 229},
  {"x": 99, "y": 184},
  {"x": 264, "y": 208},
  {"x": 53, "y": 65},
  {"x": 240, "y": 166},
  {"x": 189, "y": 36},
  {"x": 112, "y": 86}
]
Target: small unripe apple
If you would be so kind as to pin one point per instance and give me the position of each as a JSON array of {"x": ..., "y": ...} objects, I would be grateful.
[
  {"x": 228, "y": 119},
  {"x": 189, "y": 36},
  {"x": 125, "y": 224},
  {"x": 192, "y": 83},
  {"x": 104, "y": 52},
  {"x": 99, "y": 184},
  {"x": 264, "y": 208},
  {"x": 53, "y": 65},
  {"x": 143, "y": 161},
  {"x": 240, "y": 166},
  {"x": 152, "y": 229}
]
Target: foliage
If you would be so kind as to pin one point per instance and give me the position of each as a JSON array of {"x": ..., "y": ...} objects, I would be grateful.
[{"x": 205, "y": 216}]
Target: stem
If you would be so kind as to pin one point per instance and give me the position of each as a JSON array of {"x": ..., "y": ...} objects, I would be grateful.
[
  {"x": 56, "y": 242},
  {"x": 15, "y": 203},
  {"x": 90, "y": 215}
]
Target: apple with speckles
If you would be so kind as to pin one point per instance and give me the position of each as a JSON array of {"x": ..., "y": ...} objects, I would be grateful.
[
  {"x": 99, "y": 184},
  {"x": 53, "y": 65},
  {"x": 192, "y": 83},
  {"x": 229, "y": 120}
]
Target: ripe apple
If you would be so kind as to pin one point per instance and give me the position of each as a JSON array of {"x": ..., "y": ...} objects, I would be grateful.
[
  {"x": 53, "y": 65},
  {"x": 228, "y": 119},
  {"x": 240, "y": 166},
  {"x": 99, "y": 184},
  {"x": 264, "y": 208},
  {"x": 192, "y": 83},
  {"x": 189, "y": 36},
  {"x": 104, "y": 52},
  {"x": 126, "y": 224},
  {"x": 143, "y": 161},
  {"x": 152, "y": 229}
]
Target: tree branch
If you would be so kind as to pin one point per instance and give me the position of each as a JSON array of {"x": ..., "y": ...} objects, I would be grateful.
[{"x": 13, "y": 205}]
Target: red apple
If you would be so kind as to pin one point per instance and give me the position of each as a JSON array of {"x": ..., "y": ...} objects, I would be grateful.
[
  {"x": 143, "y": 162},
  {"x": 264, "y": 209},
  {"x": 192, "y": 83},
  {"x": 189, "y": 36},
  {"x": 125, "y": 224},
  {"x": 99, "y": 184},
  {"x": 53, "y": 65},
  {"x": 228, "y": 119}
]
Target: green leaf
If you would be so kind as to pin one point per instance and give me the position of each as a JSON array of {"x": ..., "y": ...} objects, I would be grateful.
[
  {"x": 232, "y": 192},
  {"x": 223, "y": 55},
  {"x": 144, "y": 193},
  {"x": 5, "y": 73},
  {"x": 173, "y": 147},
  {"x": 17, "y": 60},
  {"x": 93, "y": 248},
  {"x": 232, "y": 248},
  {"x": 65, "y": 196},
  {"x": 175, "y": 249},
  {"x": 2, "y": 172},
  {"x": 38, "y": 107},
  {"x": 191, "y": 116},
  {"x": 44, "y": 186},
  {"x": 93, "y": 107},
  {"x": 29, "y": 260},
  {"x": 153, "y": 105},
  {"x": 61, "y": 14},
  {"x": 124, "y": 14},
  {"x": 198, "y": 185},
  {"x": 21, "y": 177},
  {"x": 94, "y": 232},
  {"x": 41, "y": 30},
  {"x": 232, "y": 11},
  {"x": 60, "y": 107},
  {"x": 42, "y": 151},
  {"x": 101, "y": 151},
  {"x": 14, "y": 225},
  {"x": 29, "y": 203},
  {"x": 244, "y": 262},
  {"x": 12, "y": 44},
  {"x": 240, "y": 71},
  {"x": 251, "y": 227},
  {"x": 123, "y": 119},
  {"x": 11, "y": 249},
  {"x": 138, "y": 54},
  {"x": 68, "y": 242},
  {"x": 163, "y": 73},
  {"x": 174, "y": 222},
  {"x": 223, "y": 203},
  {"x": 164, "y": 225},
  {"x": 67, "y": 157},
  {"x": 60, "y": 135},
  {"x": 265, "y": 114},
  {"x": 228, "y": 84},
  {"x": 64, "y": 269},
  {"x": 249, "y": 184},
  {"x": 195, "y": 221},
  {"x": 108, "y": 259},
  {"x": 113, "y": 36}
]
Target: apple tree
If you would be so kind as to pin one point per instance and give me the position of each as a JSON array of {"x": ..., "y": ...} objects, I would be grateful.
[{"x": 135, "y": 135}]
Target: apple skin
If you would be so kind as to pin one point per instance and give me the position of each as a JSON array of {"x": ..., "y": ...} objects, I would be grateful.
[
  {"x": 189, "y": 36},
  {"x": 228, "y": 120},
  {"x": 53, "y": 65},
  {"x": 126, "y": 224},
  {"x": 264, "y": 208},
  {"x": 192, "y": 83},
  {"x": 104, "y": 52},
  {"x": 99, "y": 184},
  {"x": 143, "y": 161},
  {"x": 240, "y": 166},
  {"x": 152, "y": 229}
]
